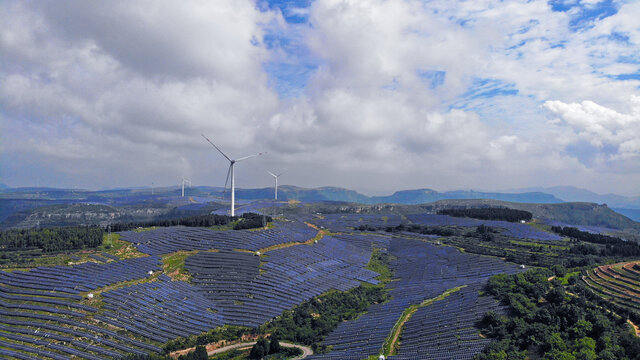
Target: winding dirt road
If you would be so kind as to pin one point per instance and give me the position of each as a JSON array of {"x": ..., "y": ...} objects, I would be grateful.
[{"x": 306, "y": 351}]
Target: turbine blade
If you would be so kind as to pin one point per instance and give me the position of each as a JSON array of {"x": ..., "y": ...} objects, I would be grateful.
[
  {"x": 281, "y": 173},
  {"x": 227, "y": 181},
  {"x": 250, "y": 156},
  {"x": 272, "y": 174},
  {"x": 217, "y": 148}
]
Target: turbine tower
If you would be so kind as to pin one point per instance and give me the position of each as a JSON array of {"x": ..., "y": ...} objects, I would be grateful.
[
  {"x": 276, "y": 177},
  {"x": 231, "y": 172},
  {"x": 185, "y": 181}
]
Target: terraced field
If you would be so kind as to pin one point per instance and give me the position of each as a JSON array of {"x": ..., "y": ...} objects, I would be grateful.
[{"x": 619, "y": 283}]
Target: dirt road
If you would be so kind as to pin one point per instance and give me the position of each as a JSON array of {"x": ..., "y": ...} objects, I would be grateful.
[{"x": 306, "y": 351}]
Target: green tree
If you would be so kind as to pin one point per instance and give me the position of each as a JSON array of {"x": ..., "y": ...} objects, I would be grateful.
[
  {"x": 558, "y": 355},
  {"x": 581, "y": 329},
  {"x": 260, "y": 349},
  {"x": 257, "y": 352},
  {"x": 200, "y": 353},
  {"x": 585, "y": 349},
  {"x": 274, "y": 345}
]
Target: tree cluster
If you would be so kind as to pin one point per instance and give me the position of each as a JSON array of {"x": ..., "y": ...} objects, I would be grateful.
[
  {"x": 614, "y": 246},
  {"x": 252, "y": 221},
  {"x": 309, "y": 322},
  {"x": 262, "y": 347},
  {"x": 504, "y": 214},
  {"x": 547, "y": 320},
  {"x": 192, "y": 221},
  {"x": 416, "y": 228},
  {"x": 247, "y": 221},
  {"x": 483, "y": 232},
  {"x": 52, "y": 239}
]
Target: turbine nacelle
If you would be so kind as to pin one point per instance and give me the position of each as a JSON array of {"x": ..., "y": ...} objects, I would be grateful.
[
  {"x": 276, "y": 178},
  {"x": 230, "y": 172}
]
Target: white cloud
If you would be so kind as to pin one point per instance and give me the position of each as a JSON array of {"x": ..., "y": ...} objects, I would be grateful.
[
  {"x": 130, "y": 86},
  {"x": 602, "y": 126}
]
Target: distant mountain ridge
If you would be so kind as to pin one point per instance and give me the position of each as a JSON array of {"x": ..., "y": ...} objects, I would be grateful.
[
  {"x": 285, "y": 192},
  {"x": 421, "y": 196},
  {"x": 26, "y": 206},
  {"x": 572, "y": 193}
]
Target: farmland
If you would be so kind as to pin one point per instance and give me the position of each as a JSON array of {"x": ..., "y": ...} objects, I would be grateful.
[{"x": 348, "y": 285}]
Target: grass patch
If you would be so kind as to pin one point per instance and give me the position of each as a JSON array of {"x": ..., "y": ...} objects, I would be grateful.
[
  {"x": 173, "y": 265},
  {"x": 142, "y": 229},
  {"x": 537, "y": 245},
  {"x": 565, "y": 279},
  {"x": 270, "y": 225},
  {"x": 379, "y": 263}
]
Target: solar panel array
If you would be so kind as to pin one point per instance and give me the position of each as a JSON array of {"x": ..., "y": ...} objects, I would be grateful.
[
  {"x": 586, "y": 228},
  {"x": 250, "y": 293},
  {"x": 160, "y": 310},
  {"x": 522, "y": 231},
  {"x": 346, "y": 222},
  {"x": 171, "y": 239},
  {"x": 423, "y": 271},
  {"x": 42, "y": 312},
  {"x": 83, "y": 277},
  {"x": 43, "y": 315},
  {"x": 446, "y": 328}
]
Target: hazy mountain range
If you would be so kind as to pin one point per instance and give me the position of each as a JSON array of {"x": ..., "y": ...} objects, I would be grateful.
[{"x": 628, "y": 206}]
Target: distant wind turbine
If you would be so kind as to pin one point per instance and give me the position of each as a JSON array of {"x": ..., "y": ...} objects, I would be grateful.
[
  {"x": 185, "y": 181},
  {"x": 231, "y": 172},
  {"x": 276, "y": 177}
]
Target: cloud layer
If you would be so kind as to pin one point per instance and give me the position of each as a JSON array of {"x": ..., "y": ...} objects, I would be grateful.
[{"x": 372, "y": 95}]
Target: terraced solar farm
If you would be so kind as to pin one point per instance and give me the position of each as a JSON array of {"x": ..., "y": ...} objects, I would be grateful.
[
  {"x": 109, "y": 307},
  {"x": 618, "y": 283}
]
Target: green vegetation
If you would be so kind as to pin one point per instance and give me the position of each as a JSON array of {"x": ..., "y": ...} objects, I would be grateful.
[
  {"x": 491, "y": 213},
  {"x": 227, "y": 333},
  {"x": 246, "y": 221},
  {"x": 50, "y": 246},
  {"x": 614, "y": 246},
  {"x": 379, "y": 263},
  {"x": 173, "y": 265},
  {"x": 51, "y": 239},
  {"x": 551, "y": 321},
  {"x": 235, "y": 354}
]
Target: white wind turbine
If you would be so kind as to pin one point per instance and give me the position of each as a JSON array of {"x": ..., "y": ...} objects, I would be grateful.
[
  {"x": 185, "y": 181},
  {"x": 230, "y": 171},
  {"x": 276, "y": 177}
]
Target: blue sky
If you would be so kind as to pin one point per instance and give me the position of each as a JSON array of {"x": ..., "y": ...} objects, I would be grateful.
[{"x": 372, "y": 95}]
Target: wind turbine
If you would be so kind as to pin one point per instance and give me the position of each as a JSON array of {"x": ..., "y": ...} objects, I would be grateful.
[
  {"x": 276, "y": 177},
  {"x": 185, "y": 181},
  {"x": 231, "y": 172}
]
